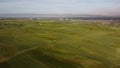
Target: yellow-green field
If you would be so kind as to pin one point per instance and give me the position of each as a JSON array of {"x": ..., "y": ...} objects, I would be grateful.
[{"x": 58, "y": 44}]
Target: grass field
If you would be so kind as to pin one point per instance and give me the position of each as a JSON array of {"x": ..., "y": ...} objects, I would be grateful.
[{"x": 58, "y": 44}]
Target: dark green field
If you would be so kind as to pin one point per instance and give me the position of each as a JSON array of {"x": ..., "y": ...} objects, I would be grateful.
[{"x": 58, "y": 44}]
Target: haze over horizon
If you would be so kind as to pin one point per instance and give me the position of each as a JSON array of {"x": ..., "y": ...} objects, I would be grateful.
[{"x": 73, "y": 7}]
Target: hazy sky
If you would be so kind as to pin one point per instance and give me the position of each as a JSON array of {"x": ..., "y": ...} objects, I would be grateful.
[{"x": 99, "y": 7}]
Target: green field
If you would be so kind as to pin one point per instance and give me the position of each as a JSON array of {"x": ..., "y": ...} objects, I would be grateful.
[{"x": 28, "y": 43}]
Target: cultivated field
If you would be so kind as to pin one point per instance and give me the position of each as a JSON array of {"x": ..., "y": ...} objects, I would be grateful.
[{"x": 26, "y": 43}]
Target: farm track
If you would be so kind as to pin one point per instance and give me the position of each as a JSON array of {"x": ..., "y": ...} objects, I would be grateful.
[{"x": 5, "y": 59}]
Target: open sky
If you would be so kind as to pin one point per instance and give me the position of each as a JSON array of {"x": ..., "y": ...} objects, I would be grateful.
[{"x": 98, "y": 7}]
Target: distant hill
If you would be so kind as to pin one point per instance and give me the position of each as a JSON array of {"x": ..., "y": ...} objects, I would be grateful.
[{"x": 71, "y": 16}]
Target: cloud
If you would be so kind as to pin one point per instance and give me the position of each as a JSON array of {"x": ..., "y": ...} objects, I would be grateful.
[{"x": 103, "y": 7}]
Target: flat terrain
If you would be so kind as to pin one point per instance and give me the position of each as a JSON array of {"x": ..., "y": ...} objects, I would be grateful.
[{"x": 58, "y": 44}]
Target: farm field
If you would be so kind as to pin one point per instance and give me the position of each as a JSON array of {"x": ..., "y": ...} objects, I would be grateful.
[{"x": 26, "y": 43}]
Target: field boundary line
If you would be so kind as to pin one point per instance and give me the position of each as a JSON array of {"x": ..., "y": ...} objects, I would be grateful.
[{"x": 5, "y": 59}]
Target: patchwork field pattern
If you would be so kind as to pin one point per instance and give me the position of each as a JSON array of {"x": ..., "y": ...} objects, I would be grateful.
[{"x": 58, "y": 44}]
